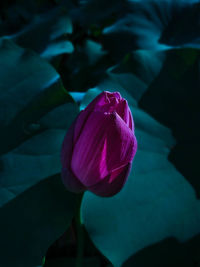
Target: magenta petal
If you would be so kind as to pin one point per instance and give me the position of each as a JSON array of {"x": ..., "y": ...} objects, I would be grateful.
[
  {"x": 80, "y": 122},
  {"x": 105, "y": 102},
  {"x": 88, "y": 159},
  {"x": 108, "y": 188},
  {"x": 68, "y": 178},
  {"x": 99, "y": 147},
  {"x": 71, "y": 182},
  {"x": 105, "y": 98},
  {"x": 84, "y": 114},
  {"x": 124, "y": 112},
  {"x": 106, "y": 144},
  {"x": 122, "y": 144},
  {"x": 108, "y": 102}
]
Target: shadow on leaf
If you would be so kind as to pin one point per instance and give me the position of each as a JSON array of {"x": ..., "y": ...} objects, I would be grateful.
[
  {"x": 168, "y": 252},
  {"x": 32, "y": 221},
  {"x": 173, "y": 99}
]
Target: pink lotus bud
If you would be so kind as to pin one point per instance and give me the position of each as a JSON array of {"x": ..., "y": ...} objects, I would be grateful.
[{"x": 99, "y": 147}]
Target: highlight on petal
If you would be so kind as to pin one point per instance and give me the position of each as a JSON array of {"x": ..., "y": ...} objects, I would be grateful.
[{"x": 124, "y": 112}]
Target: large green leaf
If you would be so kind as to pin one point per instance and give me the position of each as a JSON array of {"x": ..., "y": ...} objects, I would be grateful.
[
  {"x": 166, "y": 85},
  {"x": 23, "y": 75},
  {"x": 28, "y": 92},
  {"x": 137, "y": 70},
  {"x": 35, "y": 113},
  {"x": 174, "y": 95},
  {"x": 32, "y": 221},
  {"x": 86, "y": 66},
  {"x": 155, "y": 203},
  {"x": 47, "y": 34},
  {"x": 100, "y": 13},
  {"x": 154, "y": 25},
  {"x": 168, "y": 252}
]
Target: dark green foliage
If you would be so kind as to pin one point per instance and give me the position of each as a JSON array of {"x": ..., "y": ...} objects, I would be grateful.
[
  {"x": 148, "y": 51},
  {"x": 35, "y": 207},
  {"x": 156, "y": 203}
]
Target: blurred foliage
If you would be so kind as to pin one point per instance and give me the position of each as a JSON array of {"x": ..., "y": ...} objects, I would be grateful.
[{"x": 147, "y": 50}]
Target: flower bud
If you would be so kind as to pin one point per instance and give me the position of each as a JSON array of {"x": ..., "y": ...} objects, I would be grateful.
[{"x": 99, "y": 147}]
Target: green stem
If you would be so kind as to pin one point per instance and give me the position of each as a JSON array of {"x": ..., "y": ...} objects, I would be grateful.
[{"x": 79, "y": 232}]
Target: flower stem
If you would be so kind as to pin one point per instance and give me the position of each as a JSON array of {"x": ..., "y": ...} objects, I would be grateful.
[{"x": 79, "y": 232}]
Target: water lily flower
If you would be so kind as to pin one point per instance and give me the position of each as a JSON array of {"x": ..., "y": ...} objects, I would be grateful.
[{"x": 99, "y": 147}]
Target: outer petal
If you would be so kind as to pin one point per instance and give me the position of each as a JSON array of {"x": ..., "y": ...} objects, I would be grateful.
[
  {"x": 105, "y": 144},
  {"x": 71, "y": 182},
  {"x": 105, "y": 102},
  {"x": 124, "y": 112},
  {"x": 68, "y": 178},
  {"x": 84, "y": 114},
  {"x": 108, "y": 188}
]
